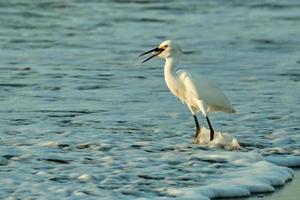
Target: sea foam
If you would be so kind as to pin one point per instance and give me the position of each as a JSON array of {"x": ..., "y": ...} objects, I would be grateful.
[
  {"x": 261, "y": 176},
  {"x": 255, "y": 173},
  {"x": 223, "y": 140}
]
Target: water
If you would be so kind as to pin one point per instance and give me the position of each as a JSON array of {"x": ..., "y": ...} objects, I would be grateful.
[{"x": 81, "y": 118}]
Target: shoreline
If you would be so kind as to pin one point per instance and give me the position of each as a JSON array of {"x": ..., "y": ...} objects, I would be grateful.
[{"x": 290, "y": 191}]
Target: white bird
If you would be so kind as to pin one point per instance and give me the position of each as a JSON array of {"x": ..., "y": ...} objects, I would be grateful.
[{"x": 198, "y": 93}]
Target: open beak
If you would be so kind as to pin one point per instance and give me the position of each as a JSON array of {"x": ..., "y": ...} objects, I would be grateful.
[{"x": 156, "y": 51}]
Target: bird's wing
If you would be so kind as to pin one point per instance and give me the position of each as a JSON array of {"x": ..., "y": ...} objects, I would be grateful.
[{"x": 205, "y": 90}]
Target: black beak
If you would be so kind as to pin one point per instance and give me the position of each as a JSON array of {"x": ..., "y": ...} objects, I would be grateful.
[{"x": 156, "y": 52}]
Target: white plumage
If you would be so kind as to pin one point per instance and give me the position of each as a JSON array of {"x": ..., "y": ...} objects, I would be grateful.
[
  {"x": 197, "y": 88},
  {"x": 198, "y": 93}
]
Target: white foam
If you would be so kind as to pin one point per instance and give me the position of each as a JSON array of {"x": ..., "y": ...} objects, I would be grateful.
[
  {"x": 234, "y": 157},
  {"x": 79, "y": 194},
  {"x": 223, "y": 140},
  {"x": 49, "y": 144},
  {"x": 42, "y": 173},
  {"x": 260, "y": 176},
  {"x": 85, "y": 177},
  {"x": 285, "y": 160}
]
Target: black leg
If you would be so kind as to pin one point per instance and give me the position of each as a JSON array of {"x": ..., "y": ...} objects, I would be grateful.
[
  {"x": 211, "y": 129},
  {"x": 197, "y": 126}
]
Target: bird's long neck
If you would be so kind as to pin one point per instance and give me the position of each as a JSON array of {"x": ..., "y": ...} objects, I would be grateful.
[
  {"x": 170, "y": 71},
  {"x": 170, "y": 66}
]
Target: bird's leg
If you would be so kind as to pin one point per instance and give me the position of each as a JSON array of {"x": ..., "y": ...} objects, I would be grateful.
[
  {"x": 197, "y": 126},
  {"x": 211, "y": 129}
]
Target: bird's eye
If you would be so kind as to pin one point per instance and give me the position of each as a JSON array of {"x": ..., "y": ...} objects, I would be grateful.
[{"x": 166, "y": 46}]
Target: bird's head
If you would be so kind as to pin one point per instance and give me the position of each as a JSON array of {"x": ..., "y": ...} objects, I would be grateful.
[{"x": 165, "y": 50}]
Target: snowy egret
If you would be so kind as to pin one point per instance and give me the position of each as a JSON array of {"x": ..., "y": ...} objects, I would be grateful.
[{"x": 198, "y": 93}]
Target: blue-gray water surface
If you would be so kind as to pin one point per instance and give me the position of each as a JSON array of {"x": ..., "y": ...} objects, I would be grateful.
[{"x": 81, "y": 117}]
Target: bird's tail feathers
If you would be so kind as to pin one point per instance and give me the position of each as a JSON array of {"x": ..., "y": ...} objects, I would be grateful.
[{"x": 219, "y": 108}]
